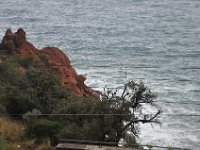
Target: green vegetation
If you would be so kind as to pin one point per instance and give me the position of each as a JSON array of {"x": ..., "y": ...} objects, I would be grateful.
[
  {"x": 27, "y": 91},
  {"x": 43, "y": 129},
  {"x": 3, "y": 144}
]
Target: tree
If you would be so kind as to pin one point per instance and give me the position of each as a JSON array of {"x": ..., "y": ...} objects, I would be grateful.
[
  {"x": 110, "y": 118},
  {"x": 24, "y": 87},
  {"x": 125, "y": 108}
]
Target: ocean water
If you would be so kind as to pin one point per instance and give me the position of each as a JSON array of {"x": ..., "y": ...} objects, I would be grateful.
[{"x": 113, "y": 41}]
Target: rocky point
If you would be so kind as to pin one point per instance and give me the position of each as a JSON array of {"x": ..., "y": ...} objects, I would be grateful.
[{"x": 16, "y": 43}]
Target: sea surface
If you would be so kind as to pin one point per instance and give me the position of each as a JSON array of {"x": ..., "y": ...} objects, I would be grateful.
[{"x": 113, "y": 41}]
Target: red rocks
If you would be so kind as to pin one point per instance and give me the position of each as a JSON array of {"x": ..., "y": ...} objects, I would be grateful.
[
  {"x": 16, "y": 43},
  {"x": 9, "y": 41}
]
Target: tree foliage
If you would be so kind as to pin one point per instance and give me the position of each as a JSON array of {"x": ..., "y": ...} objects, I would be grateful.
[
  {"x": 22, "y": 91},
  {"x": 113, "y": 117},
  {"x": 126, "y": 107},
  {"x": 29, "y": 91}
]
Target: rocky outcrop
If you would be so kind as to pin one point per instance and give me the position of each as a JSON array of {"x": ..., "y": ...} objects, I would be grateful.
[{"x": 16, "y": 43}]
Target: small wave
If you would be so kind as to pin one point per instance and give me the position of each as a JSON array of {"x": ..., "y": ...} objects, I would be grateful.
[
  {"x": 162, "y": 79},
  {"x": 143, "y": 67},
  {"x": 196, "y": 91},
  {"x": 180, "y": 54},
  {"x": 184, "y": 80},
  {"x": 101, "y": 66},
  {"x": 190, "y": 68}
]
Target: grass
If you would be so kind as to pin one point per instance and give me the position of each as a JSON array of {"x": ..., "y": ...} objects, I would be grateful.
[
  {"x": 11, "y": 133},
  {"x": 3, "y": 144},
  {"x": 46, "y": 145}
]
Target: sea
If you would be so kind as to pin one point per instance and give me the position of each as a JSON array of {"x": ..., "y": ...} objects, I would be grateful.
[{"x": 113, "y": 41}]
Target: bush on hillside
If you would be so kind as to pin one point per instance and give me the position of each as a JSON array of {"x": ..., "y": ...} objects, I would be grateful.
[{"x": 43, "y": 129}]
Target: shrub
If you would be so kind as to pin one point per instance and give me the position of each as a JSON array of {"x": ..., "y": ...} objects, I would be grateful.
[
  {"x": 27, "y": 61},
  {"x": 43, "y": 129},
  {"x": 32, "y": 115}
]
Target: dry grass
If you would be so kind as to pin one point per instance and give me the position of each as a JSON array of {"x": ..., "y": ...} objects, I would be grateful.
[
  {"x": 29, "y": 143},
  {"x": 46, "y": 145},
  {"x": 11, "y": 130}
]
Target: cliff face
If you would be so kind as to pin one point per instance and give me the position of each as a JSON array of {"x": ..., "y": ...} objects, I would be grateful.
[{"x": 16, "y": 43}]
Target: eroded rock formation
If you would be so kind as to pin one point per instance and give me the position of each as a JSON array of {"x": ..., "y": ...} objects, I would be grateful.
[{"x": 16, "y": 43}]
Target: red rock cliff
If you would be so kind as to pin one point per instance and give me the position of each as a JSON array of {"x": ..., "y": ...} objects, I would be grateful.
[{"x": 16, "y": 43}]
